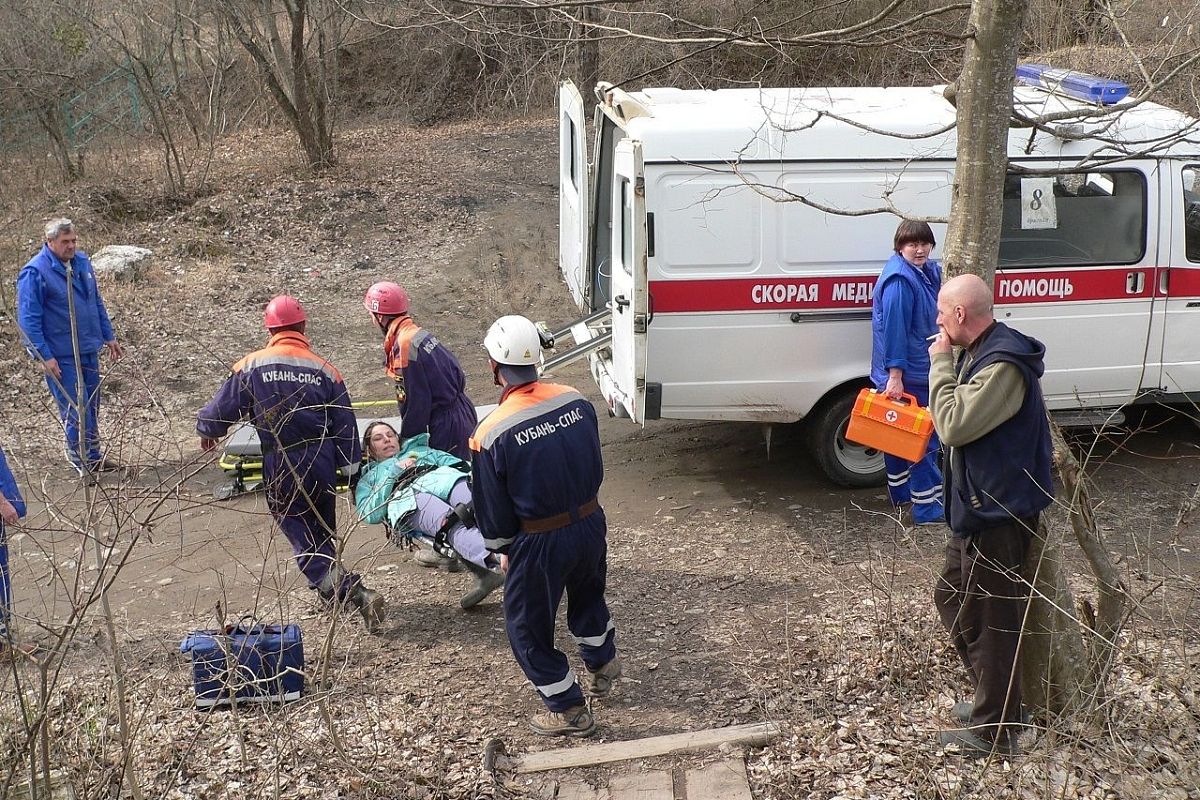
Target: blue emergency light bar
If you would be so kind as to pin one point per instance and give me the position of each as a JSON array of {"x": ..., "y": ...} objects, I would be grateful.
[{"x": 1079, "y": 85}]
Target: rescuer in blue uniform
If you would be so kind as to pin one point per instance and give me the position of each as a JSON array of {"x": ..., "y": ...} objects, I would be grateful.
[
  {"x": 431, "y": 389},
  {"x": 903, "y": 315},
  {"x": 298, "y": 403},
  {"x": 536, "y": 469}
]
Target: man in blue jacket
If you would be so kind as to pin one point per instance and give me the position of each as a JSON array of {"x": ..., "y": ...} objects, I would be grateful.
[
  {"x": 66, "y": 331},
  {"x": 12, "y": 508},
  {"x": 298, "y": 403},
  {"x": 536, "y": 468}
]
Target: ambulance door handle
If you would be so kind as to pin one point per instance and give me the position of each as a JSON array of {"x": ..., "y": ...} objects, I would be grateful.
[
  {"x": 621, "y": 302},
  {"x": 1135, "y": 282},
  {"x": 1164, "y": 281}
]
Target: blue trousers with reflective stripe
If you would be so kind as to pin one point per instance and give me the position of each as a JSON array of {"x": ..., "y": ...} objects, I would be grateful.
[
  {"x": 65, "y": 396},
  {"x": 541, "y": 567},
  {"x": 918, "y": 482}
]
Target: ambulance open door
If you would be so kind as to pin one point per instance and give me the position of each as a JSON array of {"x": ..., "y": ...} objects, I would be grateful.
[
  {"x": 1178, "y": 286},
  {"x": 573, "y": 196},
  {"x": 630, "y": 299}
]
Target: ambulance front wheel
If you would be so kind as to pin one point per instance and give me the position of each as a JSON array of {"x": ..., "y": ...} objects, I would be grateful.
[{"x": 844, "y": 462}]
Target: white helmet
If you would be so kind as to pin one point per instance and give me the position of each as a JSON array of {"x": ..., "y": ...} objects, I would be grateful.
[{"x": 514, "y": 341}]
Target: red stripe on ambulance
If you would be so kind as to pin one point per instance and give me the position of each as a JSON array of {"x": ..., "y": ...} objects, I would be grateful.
[
  {"x": 856, "y": 291},
  {"x": 1184, "y": 282}
]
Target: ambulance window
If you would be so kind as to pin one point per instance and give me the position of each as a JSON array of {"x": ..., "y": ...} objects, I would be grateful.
[
  {"x": 572, "y": 166},
  {"x": 1075, "y": 218},
  {"x": 626, "y": 227},
  {"x": 1191, "y": 212}
]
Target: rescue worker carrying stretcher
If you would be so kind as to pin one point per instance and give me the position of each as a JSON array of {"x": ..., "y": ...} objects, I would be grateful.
[
  {"x": 536, "y": 469},
  {"x": 298, "y": 403},
  {"x": 422, "y": 492},
  {"x": 430, "y": 384}
]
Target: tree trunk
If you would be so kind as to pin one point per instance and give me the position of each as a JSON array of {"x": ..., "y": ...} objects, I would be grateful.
[
  {"x": 310, "y": 104},
  {"x": 288, "y": 74},
  {"x": 1051, "y": 642},
  {"x": 55, "y": 123},
  {"x": 1065, "y": 661},
  {"x": 1103, "y": 624},
  {"x": 983, "y": 96},
  {"x": 589, "y": 54}
]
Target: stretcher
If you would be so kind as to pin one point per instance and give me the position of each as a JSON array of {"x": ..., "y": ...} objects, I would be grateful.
[
  {"x": 242, "y": 458},
  {"x": 242, "y": 461}
]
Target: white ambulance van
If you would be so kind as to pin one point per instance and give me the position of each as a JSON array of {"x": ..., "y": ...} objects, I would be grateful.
[{"x": 723, "y": 247}]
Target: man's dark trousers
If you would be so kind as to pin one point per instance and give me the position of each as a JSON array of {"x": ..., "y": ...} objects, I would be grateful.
[{"x": 982, "y": 601}]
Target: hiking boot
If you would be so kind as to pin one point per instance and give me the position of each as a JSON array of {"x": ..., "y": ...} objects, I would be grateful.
[
  {"x": 601, "y": 681},
  {"x": 961, "y": 712},
  {"x": 371, "y": 605},
  {"x": 968, "y": 744},
  {"x": 486, "y": 582},
  {"x": 428, "y": 557},
  {"x": 577, "y": 721},
  {"x": 105, "y": 465}
]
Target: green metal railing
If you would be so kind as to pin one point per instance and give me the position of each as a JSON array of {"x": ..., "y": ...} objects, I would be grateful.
[{"x": 113, "y": 102}]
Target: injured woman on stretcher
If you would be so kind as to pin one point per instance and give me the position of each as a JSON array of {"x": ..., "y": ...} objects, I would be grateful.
[{"x": 415, "y": 491}]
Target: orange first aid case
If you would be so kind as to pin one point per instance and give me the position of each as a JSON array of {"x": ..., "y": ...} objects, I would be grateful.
[{"x": 897, "y": 427}]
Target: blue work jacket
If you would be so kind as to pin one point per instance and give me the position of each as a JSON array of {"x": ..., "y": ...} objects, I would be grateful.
[
  {"x": 297, "y": 402},
  {"x": 903, "y": 314},
  {"x": 42, "y": 309},
  {"x": 8, "y": 487},
  {"x": 536, "y": 456}
]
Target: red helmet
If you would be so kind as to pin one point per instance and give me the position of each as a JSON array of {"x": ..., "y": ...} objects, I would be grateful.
[
  {"x": 283, "y": 310},
  {"x": 386, "y": 298}
]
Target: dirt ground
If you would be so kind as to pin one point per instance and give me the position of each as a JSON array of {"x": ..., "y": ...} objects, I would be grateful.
[{"x": 745, "y": 587}]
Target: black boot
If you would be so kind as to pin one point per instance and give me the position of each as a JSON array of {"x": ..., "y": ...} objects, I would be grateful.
[{"x": 486, "y": 582}]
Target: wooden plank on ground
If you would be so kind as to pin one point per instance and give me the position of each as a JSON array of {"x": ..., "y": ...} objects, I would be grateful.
[
  {"x": 578, "y": 790},
  {"x": 754, "y": 734},
  {"x": 721, "y": 780},
  {"x": 654, "y": 785}
]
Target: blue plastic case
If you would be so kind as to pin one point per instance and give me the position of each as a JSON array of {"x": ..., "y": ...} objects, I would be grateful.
[{"x": 246, "y": 664}]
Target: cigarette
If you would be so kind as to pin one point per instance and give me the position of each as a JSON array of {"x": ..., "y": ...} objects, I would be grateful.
[{"x": 931, "y": 338}]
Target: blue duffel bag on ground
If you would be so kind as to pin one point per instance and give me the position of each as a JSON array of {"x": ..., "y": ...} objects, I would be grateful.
[{"x": 246, "y": 663}]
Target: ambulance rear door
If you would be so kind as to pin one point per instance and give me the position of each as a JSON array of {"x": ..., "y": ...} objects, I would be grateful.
[
  {"x": 630, "y": 299},
  {"x": 1179, "y": 281},
  {"x": 573, "y": 196}
]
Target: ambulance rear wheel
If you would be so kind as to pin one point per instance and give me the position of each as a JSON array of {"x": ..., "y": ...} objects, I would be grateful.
[{"x": 844, "y": 462}]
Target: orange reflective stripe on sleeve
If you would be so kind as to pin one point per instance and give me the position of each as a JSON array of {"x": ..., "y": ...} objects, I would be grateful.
[{"x": 521, "y": 399}]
